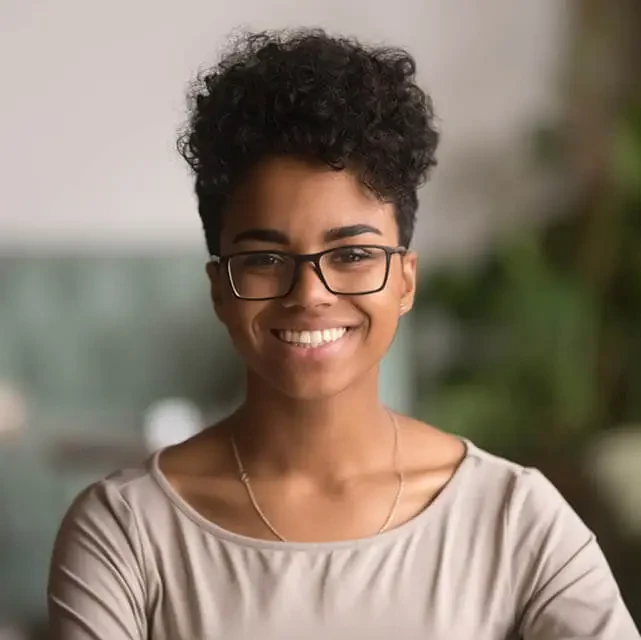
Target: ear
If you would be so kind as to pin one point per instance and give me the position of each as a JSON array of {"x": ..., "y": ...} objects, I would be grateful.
[
  {"x": 408, "y": 285},
  {"x": 216, "y": 284}
]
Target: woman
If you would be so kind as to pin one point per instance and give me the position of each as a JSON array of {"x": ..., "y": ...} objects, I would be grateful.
[{"x": 313, "y": 511}]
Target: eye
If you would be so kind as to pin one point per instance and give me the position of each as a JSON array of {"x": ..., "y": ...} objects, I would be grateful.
[
  {"x": 351, "y": 255},
  {"x": 255, "y": 260}
]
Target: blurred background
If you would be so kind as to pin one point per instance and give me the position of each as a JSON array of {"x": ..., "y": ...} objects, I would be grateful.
[{"x": 526, "y": 335}]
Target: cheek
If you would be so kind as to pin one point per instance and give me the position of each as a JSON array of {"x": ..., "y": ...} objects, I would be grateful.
[
  {"x": 239, "y": 317},
  {"x": 383, "y": 312}
]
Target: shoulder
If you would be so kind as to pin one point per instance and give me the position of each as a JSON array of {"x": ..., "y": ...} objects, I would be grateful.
[
  {"x": 539, "y": 532},
  {"x": 114, "y": 526},
  {"x": 514, "y": 506},
  {"x": 530, "y": 499},
  {"x": 99, "y": 574},
  {"x": 115, "y": 511},
  {"x": 119, "y": 494},
  {"x": 533, "y": 500}
]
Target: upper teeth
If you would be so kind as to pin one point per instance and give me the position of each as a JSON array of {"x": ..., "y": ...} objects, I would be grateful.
[{"x": 312, "y": 338}]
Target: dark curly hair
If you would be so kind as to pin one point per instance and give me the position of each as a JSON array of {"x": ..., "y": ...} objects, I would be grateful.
[{"x": 309, "y": 95}]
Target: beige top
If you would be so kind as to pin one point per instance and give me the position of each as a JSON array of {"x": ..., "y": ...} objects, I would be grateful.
[{"x": 497, "y": 555}]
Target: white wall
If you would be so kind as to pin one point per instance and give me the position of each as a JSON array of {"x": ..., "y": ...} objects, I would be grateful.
[{"x": 93, "y": 94}]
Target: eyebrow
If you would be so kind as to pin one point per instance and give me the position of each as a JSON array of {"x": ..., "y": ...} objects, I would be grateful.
[
  {"x": 262, "y": 235},
  {"x": 338, "y": 233},
  {"x": 331, "y": 235}
]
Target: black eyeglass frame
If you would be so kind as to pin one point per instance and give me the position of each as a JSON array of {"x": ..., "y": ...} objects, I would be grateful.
[{"x": 314, "y": 258}]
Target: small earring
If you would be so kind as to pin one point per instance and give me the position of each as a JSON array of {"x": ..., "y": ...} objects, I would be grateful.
[{"x": 402, "y": 307}]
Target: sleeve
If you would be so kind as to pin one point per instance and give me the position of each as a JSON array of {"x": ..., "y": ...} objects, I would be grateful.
[
  {"x": 564, "y": 587},
  {"x": 96, "y": 588}
]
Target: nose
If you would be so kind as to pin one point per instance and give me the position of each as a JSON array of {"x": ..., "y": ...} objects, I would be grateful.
[{"x": 309, "y": 290}]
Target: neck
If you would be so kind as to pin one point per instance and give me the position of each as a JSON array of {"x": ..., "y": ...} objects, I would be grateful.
[{"x": 343, "y": 436}]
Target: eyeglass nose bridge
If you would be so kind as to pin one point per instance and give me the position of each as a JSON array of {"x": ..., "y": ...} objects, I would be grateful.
[{"x": 299, "y": 260}]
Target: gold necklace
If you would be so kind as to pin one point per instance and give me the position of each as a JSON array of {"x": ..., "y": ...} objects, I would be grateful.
[{"x": 244, "y": 478}]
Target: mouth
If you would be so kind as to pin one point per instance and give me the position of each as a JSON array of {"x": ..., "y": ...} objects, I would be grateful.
[{"x": 311, "y": 339}]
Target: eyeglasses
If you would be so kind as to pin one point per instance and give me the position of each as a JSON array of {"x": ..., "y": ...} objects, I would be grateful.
[{"x": 353, "y": 270}]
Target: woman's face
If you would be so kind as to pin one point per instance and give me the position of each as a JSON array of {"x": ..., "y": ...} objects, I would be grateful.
[{"x": 289, "y": 205}]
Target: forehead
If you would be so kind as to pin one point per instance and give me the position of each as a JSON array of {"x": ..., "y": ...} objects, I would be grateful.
[{"x": 303, "y": 200}]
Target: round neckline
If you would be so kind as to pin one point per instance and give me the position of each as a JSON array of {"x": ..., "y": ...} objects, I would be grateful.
[{"x": 420, "y": 519}]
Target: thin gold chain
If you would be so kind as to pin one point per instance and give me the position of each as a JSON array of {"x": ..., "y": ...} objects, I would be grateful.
[{"x": 244, "y": 478}]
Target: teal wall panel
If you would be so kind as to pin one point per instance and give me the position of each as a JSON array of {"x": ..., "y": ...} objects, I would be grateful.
[{"x": 91, "y": 341}]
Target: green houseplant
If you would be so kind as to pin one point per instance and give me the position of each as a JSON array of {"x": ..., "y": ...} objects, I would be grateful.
[{"x": 544, "y": 332}]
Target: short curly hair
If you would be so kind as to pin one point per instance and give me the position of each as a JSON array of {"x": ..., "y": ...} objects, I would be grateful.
[{"x": 310, "y": 95}]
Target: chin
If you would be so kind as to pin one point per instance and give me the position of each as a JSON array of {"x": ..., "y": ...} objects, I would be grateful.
[{"x": 308, "y": 387}]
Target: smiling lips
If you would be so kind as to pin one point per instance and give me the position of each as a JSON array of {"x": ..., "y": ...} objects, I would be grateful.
[{"x": 311, "y": 339}]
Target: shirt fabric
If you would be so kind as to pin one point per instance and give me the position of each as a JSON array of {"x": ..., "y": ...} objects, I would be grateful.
[{"x": 497, "y": 555}]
